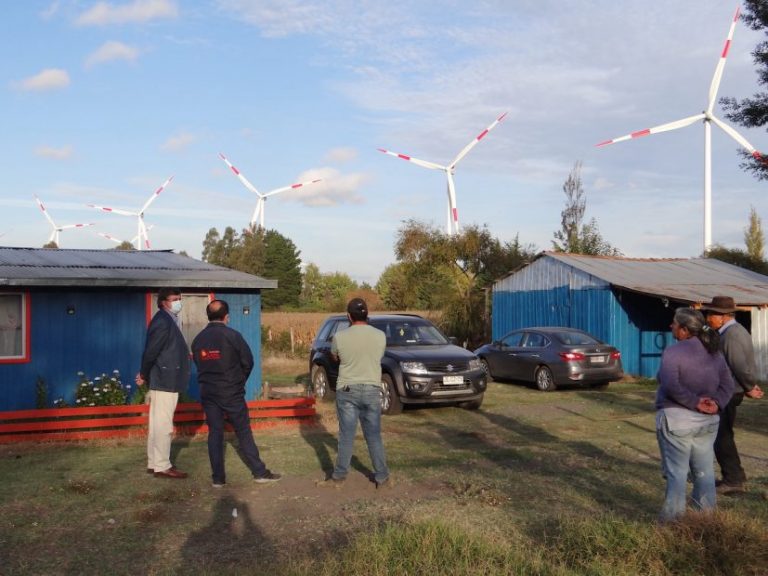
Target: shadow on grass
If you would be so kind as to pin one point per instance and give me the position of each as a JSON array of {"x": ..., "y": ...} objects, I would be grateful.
[{"x": 230, "y": 541}]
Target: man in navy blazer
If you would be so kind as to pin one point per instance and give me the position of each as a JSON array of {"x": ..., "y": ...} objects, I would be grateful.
[{"x": 165, "y": 367}]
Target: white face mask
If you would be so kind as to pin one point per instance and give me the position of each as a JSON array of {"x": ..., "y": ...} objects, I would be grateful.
[{"x": 176, "y": 306}]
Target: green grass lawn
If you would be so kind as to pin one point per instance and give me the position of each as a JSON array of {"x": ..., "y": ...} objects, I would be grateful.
[{"x": 556, "y": 483}]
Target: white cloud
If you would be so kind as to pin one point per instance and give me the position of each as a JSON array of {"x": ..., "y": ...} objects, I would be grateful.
[
  {"x": 104, "y": 13},
  {"x": 179, "y": 142},
  {"x": 55, "y": 153},
  {"x": 48, "y": 79},
  {"x": 51, "y": 11},
  {"x": 110, "y": 51},
  {"x": 341, "y": 155},
  {"x": 336, "y": 188}
]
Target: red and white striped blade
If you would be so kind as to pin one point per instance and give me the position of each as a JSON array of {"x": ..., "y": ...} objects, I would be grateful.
[
  {"x": 76, "y": 226},
  {"x": 239, "y": 175},
  {"x": 113, "y": 210},
  {"x": 477, "y": 139},
  {"x": 155, "y": 194},
  {"x": 738, "y": 137},
  {"x": 291, "y": 187},
  {"x": 423, "y": 163},
  {"x": 108, "y": 237},
  {"x": 45, "y": 212},
  {"x": 721, "y": 64},
  {"x": 656, "y": 129}
]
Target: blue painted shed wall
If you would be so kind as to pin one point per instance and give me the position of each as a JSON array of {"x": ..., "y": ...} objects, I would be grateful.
[
  {"x": 106, "y": 333},
  {"x": 637, "y": 325}
]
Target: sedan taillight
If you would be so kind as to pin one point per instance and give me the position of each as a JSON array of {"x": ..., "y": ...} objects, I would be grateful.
[
  {"x": 572, "y": 356},
  {"x": 615, "y": 355}
]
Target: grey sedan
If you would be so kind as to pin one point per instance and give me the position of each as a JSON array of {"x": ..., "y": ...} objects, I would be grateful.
[{"x": 551, "y": 356}]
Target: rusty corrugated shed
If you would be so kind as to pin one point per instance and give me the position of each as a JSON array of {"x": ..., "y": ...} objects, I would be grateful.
[
  {"x": 687, "y": 280},
  {"x": 37, "y": 267}
]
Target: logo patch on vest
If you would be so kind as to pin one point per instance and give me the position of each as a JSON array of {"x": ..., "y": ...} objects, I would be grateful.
[{"x": 210, "y": 355}]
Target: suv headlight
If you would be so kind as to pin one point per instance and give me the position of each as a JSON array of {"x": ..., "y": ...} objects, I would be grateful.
[
  {"x": 475, "y": 364},
  {"x": 413, "y": 367}
]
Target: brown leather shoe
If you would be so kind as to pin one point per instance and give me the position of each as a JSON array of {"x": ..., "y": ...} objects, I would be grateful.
[{"x": 171, "y": 473}]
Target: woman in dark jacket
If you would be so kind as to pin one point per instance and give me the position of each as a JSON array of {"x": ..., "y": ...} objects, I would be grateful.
[{"x": 694, "y": 384}]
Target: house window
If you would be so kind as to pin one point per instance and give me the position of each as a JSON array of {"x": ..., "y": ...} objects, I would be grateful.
[{"x": 14, "y": 328}]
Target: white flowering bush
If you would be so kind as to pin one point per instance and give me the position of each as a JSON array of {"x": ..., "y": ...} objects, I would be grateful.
[{"x": 104, "y": 390}]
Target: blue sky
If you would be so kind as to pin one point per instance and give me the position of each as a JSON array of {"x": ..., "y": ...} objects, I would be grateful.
[{"x": 100, "y": 102}]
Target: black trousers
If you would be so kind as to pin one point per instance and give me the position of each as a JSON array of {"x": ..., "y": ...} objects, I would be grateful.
[
  {"x": 725, "y": 446},
  {"x": 236, "y": 411}
]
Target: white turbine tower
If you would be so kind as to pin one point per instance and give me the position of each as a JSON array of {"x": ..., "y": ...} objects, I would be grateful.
[
  {"x": 258, "y": 213},
  {"x": 449, "y": 169},
  {"x": 708, "y": 116},
  {"x": 141, "y": 239},
  {"x": 54, "y": 237}
]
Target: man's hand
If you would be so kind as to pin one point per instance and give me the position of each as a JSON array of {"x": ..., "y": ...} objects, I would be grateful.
[
  {"x": 756, "y": 392},
  {"x": 707, "y": 406},
  {"x": 140, "y": 381}
]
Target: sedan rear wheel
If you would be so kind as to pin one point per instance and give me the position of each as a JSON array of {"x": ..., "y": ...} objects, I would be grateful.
[
  {"x": 486, "y": 369},
  {"x": 544, "y": 379}
]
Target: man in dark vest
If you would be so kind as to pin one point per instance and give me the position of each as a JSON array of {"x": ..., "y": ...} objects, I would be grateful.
[{"x": 224, "y": 361}]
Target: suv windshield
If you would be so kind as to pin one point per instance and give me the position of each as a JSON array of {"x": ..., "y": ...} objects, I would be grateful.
[{"x": 409, "y": 332}]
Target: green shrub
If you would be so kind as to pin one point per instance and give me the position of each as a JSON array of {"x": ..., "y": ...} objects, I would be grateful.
[{"x": 103, "y": 390}]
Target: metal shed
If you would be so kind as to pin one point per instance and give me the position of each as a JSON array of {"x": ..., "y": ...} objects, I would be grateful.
[
  {"x": 628, "y": 302},
  {"x": 69, "y": 311}
]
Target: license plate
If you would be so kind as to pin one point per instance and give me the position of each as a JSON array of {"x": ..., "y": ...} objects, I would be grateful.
[
  {"x": 453, "y": 380},
  {"x": 598, "y": 359}
]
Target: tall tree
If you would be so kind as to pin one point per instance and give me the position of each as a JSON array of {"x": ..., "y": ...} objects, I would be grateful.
[
  {"x": 574, "y": 236},
  {"x": 753, "y": 112},
  {"x": 468, "y": 264},
  {"x": 281, "y": 262},
  {"x": 753, "y": 236}
]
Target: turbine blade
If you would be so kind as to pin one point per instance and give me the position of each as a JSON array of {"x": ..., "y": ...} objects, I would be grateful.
[
  {"x": 108, "y": 237},
  {"x": 721, "y": 64},
  {"x": 291, "y": 187},
  {"x": 155, "y": 194},
  {"x": 45, "y": 212},
  {"x": 113, "y": 210},
  {"x": 477, "y": 139},
  {"x": 656, "y": 129},
  {"x": 239, "y": 175},
  {"x": 60, "y": 228},
  {"x": 422, "y": 163},
  {"x": 738, "y": 137}
]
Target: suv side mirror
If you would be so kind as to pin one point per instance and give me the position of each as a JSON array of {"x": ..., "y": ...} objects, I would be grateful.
[{"x": 453, "y": 340}]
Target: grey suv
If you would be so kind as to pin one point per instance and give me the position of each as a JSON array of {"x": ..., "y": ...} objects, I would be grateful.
[{"x": 420, "y": 365}]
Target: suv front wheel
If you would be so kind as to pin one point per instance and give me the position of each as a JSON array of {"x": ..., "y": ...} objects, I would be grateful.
[
  {"x": 320, "y": 382},
  {"x": 390, "y": 401}
]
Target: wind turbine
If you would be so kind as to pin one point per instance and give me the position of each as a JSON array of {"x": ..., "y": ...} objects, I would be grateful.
[
  {"x": 449, "y": 169},
  {"x": 142, "y": 239},
  {"x": 708, "y": 116},
  {"x": 56, "y": 229},
  {"x": 118, "y": 241},
  {"x": 258, "y": 213}
]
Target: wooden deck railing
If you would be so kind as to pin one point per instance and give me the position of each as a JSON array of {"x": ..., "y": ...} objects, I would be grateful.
[{"x": 131, "y": 420}]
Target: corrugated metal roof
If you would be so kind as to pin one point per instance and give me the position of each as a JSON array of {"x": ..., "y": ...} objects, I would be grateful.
[
  {"x": 124, "y": 268},
  {"x": 689, "y": 280}
]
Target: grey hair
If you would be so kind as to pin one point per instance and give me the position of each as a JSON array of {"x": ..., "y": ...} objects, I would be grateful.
[{"x": 693, "y": 321}]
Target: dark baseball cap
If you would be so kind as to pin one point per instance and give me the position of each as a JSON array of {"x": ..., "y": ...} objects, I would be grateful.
[{"x": 358, "y": 306}]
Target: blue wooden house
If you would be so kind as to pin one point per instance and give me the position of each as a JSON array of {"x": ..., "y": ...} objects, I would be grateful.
[
  {"x": 627, "y": 302},
  {"x": 63, "y": 312}
]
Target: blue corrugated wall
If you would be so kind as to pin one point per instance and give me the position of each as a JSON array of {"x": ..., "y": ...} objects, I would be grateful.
[
  {"x": 105, "y": 333},
  {"x": 637, "y": 325}
]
